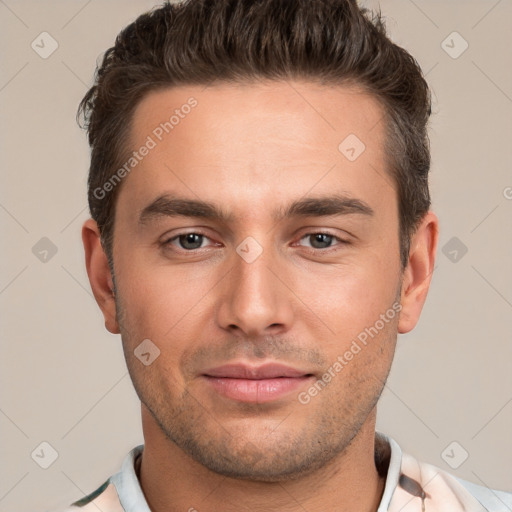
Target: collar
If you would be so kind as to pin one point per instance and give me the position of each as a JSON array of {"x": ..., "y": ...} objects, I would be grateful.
[{"x": 388, "y": 456}]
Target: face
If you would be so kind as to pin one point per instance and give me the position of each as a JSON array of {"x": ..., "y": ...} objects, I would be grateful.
[{"x": 261, "y": 260}]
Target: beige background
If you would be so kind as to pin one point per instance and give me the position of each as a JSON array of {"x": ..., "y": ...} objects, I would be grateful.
[{"x": 63, "y": 377}]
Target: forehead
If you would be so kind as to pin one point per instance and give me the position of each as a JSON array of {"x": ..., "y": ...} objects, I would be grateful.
[{"x": 246, "y": 143}]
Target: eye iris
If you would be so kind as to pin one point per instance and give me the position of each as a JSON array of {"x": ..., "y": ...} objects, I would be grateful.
[
  {"x": 320, "y": 240},
  {"x": 191, "y": 241}
]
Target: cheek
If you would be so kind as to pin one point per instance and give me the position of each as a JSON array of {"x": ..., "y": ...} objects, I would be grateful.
[
  {"x": 348, "y": 298},
  {"x": 159, "y": 301}
]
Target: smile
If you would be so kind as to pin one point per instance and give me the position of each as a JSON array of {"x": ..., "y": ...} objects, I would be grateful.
[{"x": 265, "y": 383}]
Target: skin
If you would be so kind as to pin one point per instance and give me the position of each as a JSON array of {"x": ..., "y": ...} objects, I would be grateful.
[{"x": 249, "y": 149}]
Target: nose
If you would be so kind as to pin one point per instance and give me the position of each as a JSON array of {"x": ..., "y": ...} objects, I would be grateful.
[{"x": 256, "y": 300}]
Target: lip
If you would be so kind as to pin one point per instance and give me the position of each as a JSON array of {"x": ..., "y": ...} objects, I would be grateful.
[
  {"x": 243, "y": 371},
  {"x": 255, "y": 384}
]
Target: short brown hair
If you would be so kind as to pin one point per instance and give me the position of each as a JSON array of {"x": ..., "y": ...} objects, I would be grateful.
[{"x": 200, "y": 42}]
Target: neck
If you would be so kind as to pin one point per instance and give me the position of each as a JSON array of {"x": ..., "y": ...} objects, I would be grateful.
[{"x": 172, "y": 481}]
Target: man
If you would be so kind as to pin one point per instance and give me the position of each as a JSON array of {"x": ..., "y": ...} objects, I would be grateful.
[{"x": 260, "y": 234}]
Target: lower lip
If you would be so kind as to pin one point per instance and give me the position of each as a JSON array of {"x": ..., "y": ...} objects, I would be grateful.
[{"x": 256, "y": 391}]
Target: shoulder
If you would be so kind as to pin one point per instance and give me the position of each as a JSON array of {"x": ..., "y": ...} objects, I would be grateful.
[
  {"x": 447, "y": 492},
  {"x": 104, "y": 498},
  {"x": 109, "y": 496}
]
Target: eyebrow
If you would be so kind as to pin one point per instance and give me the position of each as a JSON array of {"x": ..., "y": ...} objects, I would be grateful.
[{"x": 324, "y": 206}]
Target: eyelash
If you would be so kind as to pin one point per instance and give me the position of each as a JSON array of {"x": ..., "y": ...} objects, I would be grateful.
[{"x": 340, "y": 241}]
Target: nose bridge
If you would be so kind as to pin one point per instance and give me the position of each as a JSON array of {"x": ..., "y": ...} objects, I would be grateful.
[{"x": 255, "y": 300}]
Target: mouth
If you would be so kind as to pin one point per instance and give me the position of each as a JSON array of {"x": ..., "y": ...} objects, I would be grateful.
[{"x": 245, "y": 383}]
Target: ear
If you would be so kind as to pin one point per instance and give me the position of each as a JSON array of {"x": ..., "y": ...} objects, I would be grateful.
[
  {"x": 418, "y": 273},
  {"x": 99, "y": 274}
]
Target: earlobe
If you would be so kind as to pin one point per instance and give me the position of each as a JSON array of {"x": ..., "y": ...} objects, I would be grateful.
[
  {"x": 418, "y": 273},
  {"x": 98, "y": 270}
]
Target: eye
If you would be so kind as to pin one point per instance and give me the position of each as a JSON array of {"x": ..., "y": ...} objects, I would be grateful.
[
  {"x": 187, "y": 241},
  {"x": 322, "y": 240}
]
